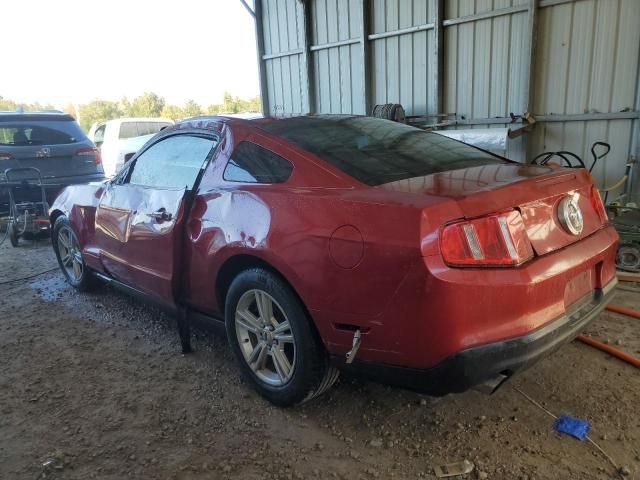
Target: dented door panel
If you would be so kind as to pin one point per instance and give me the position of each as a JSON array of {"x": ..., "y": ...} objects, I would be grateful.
[{"x": 137, "y": 245}]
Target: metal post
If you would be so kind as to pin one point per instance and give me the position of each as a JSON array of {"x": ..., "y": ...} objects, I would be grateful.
[
  {"x": 532, "y": 33},
  {"x": 365, "y": 28},
  {"x": 438, "y": 57},
  {"x": 262, "y": 70},
  {"x": 307, "y": 59}
]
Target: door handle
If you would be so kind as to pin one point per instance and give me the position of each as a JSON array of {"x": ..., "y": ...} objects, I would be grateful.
[{"x": 161, "y": 215}]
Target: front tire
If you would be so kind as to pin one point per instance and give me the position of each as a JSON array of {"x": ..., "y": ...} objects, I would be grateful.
[
  {"x": 69, "y": 255},
  {"x": 273, "y": 339}
]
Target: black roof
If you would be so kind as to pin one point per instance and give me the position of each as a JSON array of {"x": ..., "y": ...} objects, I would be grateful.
[{"x": 14, "y": 116}]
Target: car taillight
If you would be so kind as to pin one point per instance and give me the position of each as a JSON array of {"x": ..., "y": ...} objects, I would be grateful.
[
  {"x": 5, "y": 156},
  {"x": 496, "y": 240},
  {"x": 598, "y": 206},
  {"x": 90, "y": 151}
]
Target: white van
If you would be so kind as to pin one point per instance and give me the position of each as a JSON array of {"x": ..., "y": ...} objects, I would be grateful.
[{"x": 114, "y": 137}]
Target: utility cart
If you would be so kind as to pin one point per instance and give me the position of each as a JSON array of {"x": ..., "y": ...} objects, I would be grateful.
[{"x": 28, "y": 207}]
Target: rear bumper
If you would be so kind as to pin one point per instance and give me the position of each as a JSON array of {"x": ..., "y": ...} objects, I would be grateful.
[
  {"x": 61, "y": 182},
  {"x": 476, "y": 365}
]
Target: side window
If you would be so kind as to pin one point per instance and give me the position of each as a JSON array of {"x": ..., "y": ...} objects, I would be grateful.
[
  {"x": 171, "y": 163},
  {"x": 251, "y": 163},
  {"x": 128, "y": 130},
  {"x": 155, "y": 127},
  {"x": 98, "y": 136}
]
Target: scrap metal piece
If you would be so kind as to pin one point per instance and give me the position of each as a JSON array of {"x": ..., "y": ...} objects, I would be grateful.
[
  {"x": 355, "y": 345},
  {"x": 453, "y": 469}
]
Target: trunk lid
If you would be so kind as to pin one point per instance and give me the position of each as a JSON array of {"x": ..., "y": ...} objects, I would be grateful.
[{"x": 533, "y": 190}]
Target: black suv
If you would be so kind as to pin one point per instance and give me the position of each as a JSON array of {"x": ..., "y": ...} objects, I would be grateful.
[{"x": 53, "y": 143}]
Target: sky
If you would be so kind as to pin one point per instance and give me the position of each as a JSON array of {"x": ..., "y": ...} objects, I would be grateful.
[{"x": 75, "y": 50}]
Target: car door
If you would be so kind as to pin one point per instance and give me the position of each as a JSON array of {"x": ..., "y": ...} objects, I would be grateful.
[{"x": 141, "y": 214}]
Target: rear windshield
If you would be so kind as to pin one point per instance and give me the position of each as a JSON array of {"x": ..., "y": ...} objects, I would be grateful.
[
  {"x": 43, "y": 132},
  {"x": 376, "y": 151}
]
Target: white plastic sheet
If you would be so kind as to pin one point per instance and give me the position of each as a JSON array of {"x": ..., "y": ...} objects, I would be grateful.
[{"x": 493, "y": 139}]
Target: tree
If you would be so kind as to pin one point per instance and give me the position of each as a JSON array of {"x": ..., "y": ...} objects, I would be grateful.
[
  {"x": 173, "y": 112},
  {"x": 231, "y": 104},
  {"x": 191, "y": 109},
  {"x": 213, "y": 109},
  {"x": 97, "y": 111},
  {"x": 10, "y": 105},
  {"x": 71, "y": 110},
  {"x": 124, "y": 105},
  {"x": 6, "y": 104},
  {"x": 148, "y": 104}
]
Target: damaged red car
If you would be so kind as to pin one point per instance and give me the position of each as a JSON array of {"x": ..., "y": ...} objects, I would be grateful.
[{"x": 326, "y": 243}]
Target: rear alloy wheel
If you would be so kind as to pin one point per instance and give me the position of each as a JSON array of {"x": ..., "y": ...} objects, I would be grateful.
[
  {"x": 272, "y": 338},
  {"x": 265, "y": 337},
  {"x": 69, "y": 255}
]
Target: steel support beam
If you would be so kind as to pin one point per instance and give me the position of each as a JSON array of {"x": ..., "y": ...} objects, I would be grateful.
[
  {"x": 438, "y": 57},
  {"x": 481, "y": 16},
  {"x": 246, "y": 5},
  {"x": 307, "y": 59},
  {"x": 577, "y": 117},
  {"x": 365, "y": 50},
  {"x": 341, "y": 43},
  {"x": 401, "y": 31},
  {"x": 288, "y": 53},
  {"x": 262, "y": 69},
  {"x": 530, "y": 56}
]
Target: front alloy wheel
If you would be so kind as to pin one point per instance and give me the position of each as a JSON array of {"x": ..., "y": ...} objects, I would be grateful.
[{"x": 69, "y": 255}]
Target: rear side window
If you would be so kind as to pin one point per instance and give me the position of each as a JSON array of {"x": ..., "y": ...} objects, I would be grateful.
[
  {"x": 376, "y": 151},
  {"x": 136, "y": 129},
  {"x": 98, "y": 136},
  {"x": 152, "y": 127},
  {"x": 128, "y": 130},
  {"x": 251, "y": 163},
  {"x": 40, "y": 133},
  {"x": 171, "y": 163}
]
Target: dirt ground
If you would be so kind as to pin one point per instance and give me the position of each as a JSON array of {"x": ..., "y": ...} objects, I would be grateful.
[{"x": 93, "y": 386}]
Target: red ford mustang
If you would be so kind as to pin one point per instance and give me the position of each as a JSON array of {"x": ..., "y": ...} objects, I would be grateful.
[{"x": 345, "y": 242}]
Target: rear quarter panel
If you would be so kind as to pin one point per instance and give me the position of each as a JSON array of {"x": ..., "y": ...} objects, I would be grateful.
[{"x": 345, "y": 250}]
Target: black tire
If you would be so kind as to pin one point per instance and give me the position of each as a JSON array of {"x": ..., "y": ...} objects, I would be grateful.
[
  {"x": 86, "y": 280},
  {"x": 628, "y": 257},
  {"x": 312, "y": 373},
  {"x": 12, "y": 232}
]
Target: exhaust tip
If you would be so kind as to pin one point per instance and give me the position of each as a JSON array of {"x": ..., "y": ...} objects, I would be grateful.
[{"x": 492, "y": 384}]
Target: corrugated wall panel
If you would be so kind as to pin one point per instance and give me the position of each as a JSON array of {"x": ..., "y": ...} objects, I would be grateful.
[
  {"x": 402, "y": 64},
  {"x": 338, "y": 69},
  {"x": 286, "y": 75},
  {"x": 587, "y": 62},
  {"x": 485, "y": 64}
]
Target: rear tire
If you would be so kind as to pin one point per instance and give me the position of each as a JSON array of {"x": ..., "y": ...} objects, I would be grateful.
[
  {"x": 69, "y": 255},
  {"x": 628, "y": 257},
  {"x": 12, "y": 232},
  {"x": 274, "y": 341}
]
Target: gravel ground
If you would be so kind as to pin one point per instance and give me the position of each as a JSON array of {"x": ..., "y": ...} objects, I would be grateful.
[{"x": 93, "y": 386}]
